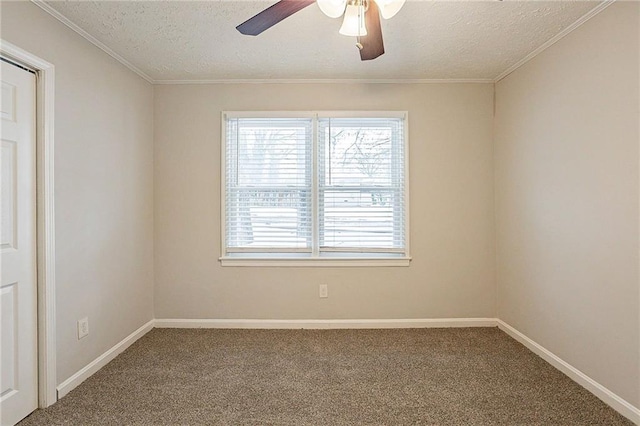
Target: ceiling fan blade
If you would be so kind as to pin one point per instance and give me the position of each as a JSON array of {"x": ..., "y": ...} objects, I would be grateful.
[
  {"x": 372, "y": 45},
  {"x": 271, "y": 16}
]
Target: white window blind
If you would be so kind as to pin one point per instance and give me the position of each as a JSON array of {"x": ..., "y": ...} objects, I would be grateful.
[
  {"x": 361, "y": 184},
  {"x": 268, "y": 185},
  {"x": 315, "y": 186}
]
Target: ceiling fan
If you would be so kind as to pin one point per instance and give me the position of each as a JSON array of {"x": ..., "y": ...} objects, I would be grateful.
[{"x": 361, "y": 19}]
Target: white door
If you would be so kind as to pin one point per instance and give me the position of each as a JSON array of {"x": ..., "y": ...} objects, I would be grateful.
[{"x": 18, "y": 297}]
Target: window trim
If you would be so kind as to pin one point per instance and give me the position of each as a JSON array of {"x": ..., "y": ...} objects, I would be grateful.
[
  {"x": 316, "y": 259},
  {"x": 314, "y": 262}
]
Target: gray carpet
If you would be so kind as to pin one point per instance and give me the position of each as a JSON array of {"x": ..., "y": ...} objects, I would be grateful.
[{"x": 464, "y": 376}]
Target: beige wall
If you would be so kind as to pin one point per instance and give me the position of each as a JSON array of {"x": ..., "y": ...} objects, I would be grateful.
[
  {"x": 103, "y": 187},
  {"x": 566, "y": 154},
  {"x": 452, "y": 231}
]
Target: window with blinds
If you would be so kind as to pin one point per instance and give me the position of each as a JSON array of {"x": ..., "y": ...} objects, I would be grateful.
[
  {"x": 361, "y": 184},
  {"x": 268, "y": 185},
  {"x": 314, "y": 186}
]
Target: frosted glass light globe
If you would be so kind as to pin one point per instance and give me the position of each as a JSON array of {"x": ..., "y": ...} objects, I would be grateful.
[
  {"x": 353, "y": 24},
  {"x": 332, "y": 8}
]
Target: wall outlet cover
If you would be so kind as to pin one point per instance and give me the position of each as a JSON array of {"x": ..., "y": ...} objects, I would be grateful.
[
  {"x": 83, "y": 327},
  {"x": 324, "y": 291}
]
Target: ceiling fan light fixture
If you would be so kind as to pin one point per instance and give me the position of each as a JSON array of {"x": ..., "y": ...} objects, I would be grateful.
[
  {"x": 332, "y": 8},
  {"x": 353, "y": 23},
  {"x": 388, "y": 8}
]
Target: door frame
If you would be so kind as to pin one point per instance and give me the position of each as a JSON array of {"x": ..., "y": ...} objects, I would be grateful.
[{"x": 45, "y": 218}]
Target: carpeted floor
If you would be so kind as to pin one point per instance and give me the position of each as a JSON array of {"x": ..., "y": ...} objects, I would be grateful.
[{"x": 463, "y": 376}]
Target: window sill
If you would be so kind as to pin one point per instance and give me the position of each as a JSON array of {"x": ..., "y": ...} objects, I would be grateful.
[{"x": 332, "y": 262}]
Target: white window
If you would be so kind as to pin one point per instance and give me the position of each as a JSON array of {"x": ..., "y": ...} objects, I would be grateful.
[{"x": 315, "y": 189}]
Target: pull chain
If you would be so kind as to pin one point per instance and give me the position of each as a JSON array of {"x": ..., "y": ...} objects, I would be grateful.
[{"x": 361, "y": 11}]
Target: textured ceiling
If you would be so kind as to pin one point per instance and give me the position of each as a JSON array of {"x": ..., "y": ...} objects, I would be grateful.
[{"x": 191, "y": 40}]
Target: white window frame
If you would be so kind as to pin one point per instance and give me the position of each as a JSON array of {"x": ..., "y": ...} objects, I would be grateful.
[{"x": 333, "y": 259}]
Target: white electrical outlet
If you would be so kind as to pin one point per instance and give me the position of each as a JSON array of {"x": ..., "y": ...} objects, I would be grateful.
[
  {"x": 324, "y": 291},
  {"x": 83, "y": 327}
]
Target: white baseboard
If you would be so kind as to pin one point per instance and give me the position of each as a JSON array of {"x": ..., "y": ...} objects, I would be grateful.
[
  {"x": 614, "y": 401},
  {"x": 327, "y": 324},
  {"x": 82, "y": 375}
]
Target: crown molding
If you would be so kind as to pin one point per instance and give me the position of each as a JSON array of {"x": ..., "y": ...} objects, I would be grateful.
[
  {"x": 332, "y": 81},
  {"x": 584, "y": 18},
  {"x": 51, "y": 11}
]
